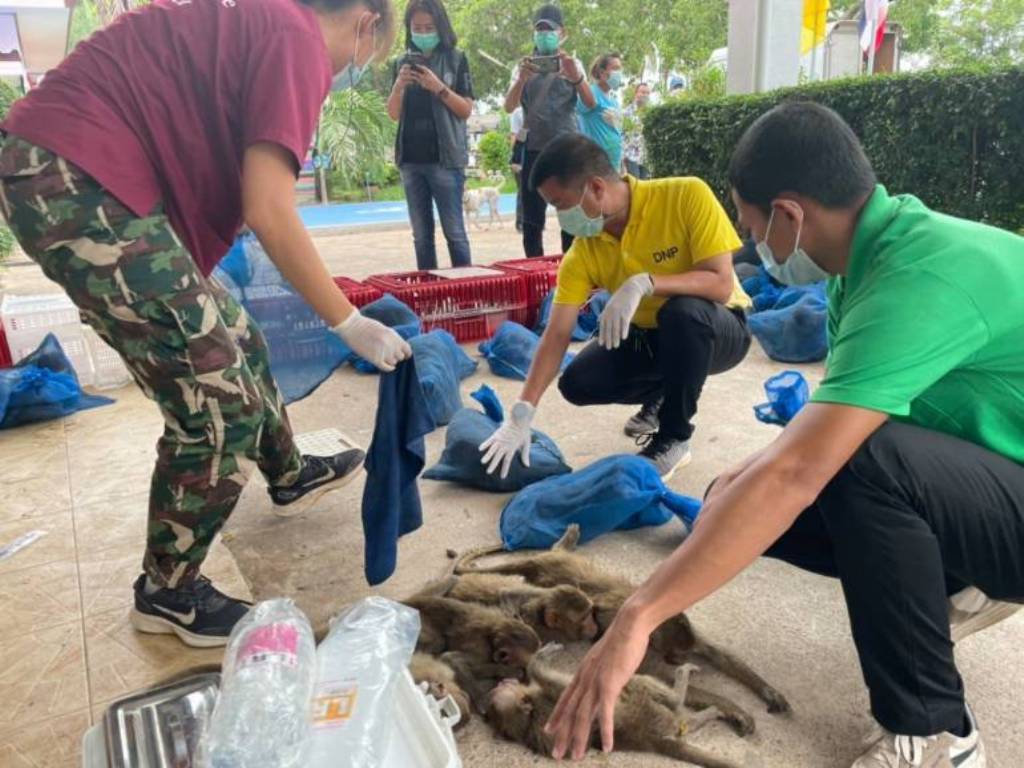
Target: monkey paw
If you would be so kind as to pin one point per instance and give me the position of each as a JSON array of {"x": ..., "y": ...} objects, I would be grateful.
[{"x": 777, "y": 703}]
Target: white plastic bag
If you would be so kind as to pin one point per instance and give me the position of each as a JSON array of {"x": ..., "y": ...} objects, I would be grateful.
[{"x": 369, "y": 646}]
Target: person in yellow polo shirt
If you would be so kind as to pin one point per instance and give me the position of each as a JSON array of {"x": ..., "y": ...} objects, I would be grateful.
[{"x": 677, "y": 312}]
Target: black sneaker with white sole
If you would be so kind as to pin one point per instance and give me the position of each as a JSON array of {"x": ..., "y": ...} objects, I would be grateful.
[
  {"x": 667, "y": 454},
  {"x": 319, "y": 475},
  {"x": 645, "y": 421},
  {"x": 197, "y": 613}
]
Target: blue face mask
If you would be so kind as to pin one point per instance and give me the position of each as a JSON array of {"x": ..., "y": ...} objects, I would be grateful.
[
  {"x": 577, "y": 223},
  {"x": 546, "y": 41},
  {"x": 615, "y": 80},
  {"x": 349, "y": 77},
  {"x": 427, "y": 41},
  {"x": 798, "y": 269}
]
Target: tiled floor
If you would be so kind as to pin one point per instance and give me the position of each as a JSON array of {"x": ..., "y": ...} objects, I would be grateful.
[{"x": 66, "y": 647}]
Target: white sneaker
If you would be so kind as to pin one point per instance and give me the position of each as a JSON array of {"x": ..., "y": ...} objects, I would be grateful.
[
  {"x": 889, "y": 750},
  {"x": 971, "y": 610}
]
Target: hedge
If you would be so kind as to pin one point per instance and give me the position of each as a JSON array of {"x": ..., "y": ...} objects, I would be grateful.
[{"x": 953, "y": 138}]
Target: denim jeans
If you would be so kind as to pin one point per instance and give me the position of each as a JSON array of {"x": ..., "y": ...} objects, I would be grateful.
[{"x": 425, "y": 186}]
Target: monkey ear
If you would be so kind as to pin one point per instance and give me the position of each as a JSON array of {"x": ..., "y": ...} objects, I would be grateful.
[
  {"x": 550, "y": 618},
  {"x": 508, "y": 604}
]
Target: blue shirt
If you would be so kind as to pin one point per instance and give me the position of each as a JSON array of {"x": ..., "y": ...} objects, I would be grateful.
[{"x": 603, "y": 123}]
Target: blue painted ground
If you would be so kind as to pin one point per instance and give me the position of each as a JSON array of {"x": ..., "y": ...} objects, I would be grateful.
[{"x": 362, "y": 214}]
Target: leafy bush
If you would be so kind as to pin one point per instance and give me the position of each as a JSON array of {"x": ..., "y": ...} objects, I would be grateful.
[
  {"x": 953, "y": 138},
  {"x": 494, "y": 150},
  {"x": 357, "y": 133}
]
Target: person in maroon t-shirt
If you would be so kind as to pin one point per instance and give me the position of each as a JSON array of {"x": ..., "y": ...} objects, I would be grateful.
[{"x": 126, "y": 175}]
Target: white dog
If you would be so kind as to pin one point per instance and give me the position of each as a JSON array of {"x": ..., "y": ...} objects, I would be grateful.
[{"x": 474, "y": 200}]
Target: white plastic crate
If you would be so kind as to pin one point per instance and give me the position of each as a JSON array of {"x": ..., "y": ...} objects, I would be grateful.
[
  {"x": 108, "y": 369},
  {"x": 422, "y": 737},
  {"x": 33, "y": 313},
  {"x": 27, "y": 320}
]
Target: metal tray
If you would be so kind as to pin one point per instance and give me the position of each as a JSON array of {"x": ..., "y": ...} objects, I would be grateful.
[{"x": 160, "y": 728}]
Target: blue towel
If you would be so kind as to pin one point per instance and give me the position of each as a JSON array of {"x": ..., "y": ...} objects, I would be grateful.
[
  {"x": 391, "y": 500},
  {"x": 614, "y": 493}
]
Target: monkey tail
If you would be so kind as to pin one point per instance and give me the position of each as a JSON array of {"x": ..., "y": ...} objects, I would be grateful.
[{"x": 463, "y": 563}]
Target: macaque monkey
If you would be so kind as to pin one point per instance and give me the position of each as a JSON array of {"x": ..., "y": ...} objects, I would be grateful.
[
  {"x": 561, "y": 614},
  {"x": 674, "y": 642}
]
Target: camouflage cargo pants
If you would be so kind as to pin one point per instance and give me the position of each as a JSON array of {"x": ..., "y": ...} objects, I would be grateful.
[{"x": 190, "y": 347}]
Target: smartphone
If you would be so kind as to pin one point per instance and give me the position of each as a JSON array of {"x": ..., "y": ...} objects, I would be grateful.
[
  {"x": 546, "y": 65},
  {"x": 415, "y": 59}
]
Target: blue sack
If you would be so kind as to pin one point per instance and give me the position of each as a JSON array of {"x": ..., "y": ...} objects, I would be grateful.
[
  {"x": 795, "y": 333},
  {"x": 394, "y": 314},
  {"x": 787, "y": 394},
  {"x": 42, "y": 386},
  {"x": 441, "y": 365},
  {"x": 510, "y": 351},
  {"x": 613, "y": 493},
  {"x": 586, "y": 323},
  {"x": 460, "y": 460}
]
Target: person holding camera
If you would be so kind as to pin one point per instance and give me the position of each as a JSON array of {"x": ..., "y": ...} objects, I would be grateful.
[
  {"x": 547, "y": 86},
  {"x": 431, "y": 99},
  {"x": 603, "y": 121}
]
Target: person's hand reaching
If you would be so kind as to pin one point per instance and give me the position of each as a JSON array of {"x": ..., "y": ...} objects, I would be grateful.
[
  {"x": 512, "y": 437},
  {"x": 373, "y": 341}
]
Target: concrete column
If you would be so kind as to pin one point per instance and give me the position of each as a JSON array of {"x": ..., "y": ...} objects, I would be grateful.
[{"x": 764, "y": 44}]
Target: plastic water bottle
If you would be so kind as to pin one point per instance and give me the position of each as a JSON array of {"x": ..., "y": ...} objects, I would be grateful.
[
  {"x": 262, "y": 715},
  {"x": 369, "y": 646}
]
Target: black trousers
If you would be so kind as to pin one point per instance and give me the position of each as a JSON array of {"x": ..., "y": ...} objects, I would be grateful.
[
  {"x": 534, "y": 212},
  {"x": 914, "y": 516},
  {"x": 694, "y": 338}
]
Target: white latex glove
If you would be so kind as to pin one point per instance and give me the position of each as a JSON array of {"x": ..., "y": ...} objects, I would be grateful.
[
  {"x": 374, "y": 341},
  {"x": 621, "y": 307},
  {"x": 513, "y": 436}
]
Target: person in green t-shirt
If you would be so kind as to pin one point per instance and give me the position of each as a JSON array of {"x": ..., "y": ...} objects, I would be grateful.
[{"x": 903, "y": 478}]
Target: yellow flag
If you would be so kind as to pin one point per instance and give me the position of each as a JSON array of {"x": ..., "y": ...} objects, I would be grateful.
[{"x": 813, "y": 32}]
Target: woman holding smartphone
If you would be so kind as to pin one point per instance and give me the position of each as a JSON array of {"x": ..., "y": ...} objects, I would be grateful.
[{"x": 431, "y": 99}]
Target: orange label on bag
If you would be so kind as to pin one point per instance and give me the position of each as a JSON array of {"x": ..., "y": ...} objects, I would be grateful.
[{"x": 334, "y": 703}]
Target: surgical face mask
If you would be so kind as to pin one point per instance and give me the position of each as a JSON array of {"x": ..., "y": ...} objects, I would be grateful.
[
  {"x": 426, "y": 41},
  {"x": 798, "y": 269},
  {"x": 349, "y": 77},
  {"x": 577, "y": 223},
  {"x": 352, "y": 73},
  {"x": 615, "y": 80},
  {"x": 546, "y": 41}
]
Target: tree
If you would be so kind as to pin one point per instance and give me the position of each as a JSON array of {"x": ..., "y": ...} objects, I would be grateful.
[
  {"x": 494, "y": 152},
  {"x": 990, "y": 31},
  {"x": 85, "y": 19},
  {"x": 357, "y": 134}
]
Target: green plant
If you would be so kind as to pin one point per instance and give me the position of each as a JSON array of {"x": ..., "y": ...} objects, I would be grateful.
[
  {"x": 358, "y": 135},
  {"x": 494, "y": 149},
  {"x": 953, "y": 138}
]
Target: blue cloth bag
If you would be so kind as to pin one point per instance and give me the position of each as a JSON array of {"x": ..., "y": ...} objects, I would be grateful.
[
  {"x": 441, "y": 365},
  {"x": 394, "y": 314},
  {"x": 586, "y": 322},
  {"x": 460, "y": 460},
  {"x": 511, "y": 350},
  {"x": 787, "y": 392},
  {"x": 614, "y": 493},
  {"x": 42, "y": 386}
]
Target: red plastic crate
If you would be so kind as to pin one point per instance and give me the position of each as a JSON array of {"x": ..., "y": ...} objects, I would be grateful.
[
  {"x": 540, "y": 274},
  {"x": 5, "y": 353},
  {"x": 469, "y": 308},
  {"x": 360, "y": 294}
]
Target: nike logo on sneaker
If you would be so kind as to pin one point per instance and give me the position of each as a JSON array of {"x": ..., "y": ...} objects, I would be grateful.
[
  {"x": 184, "y": 618},
  {"x": 963, "y": 757},
  {"x": 327, "y": 475}
]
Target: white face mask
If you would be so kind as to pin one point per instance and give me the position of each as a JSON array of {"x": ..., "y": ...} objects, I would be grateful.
[{"x": 798, "y": 269}]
